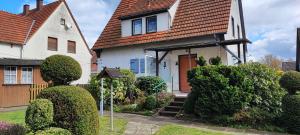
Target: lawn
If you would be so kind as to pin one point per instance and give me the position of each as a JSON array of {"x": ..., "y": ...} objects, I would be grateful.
[
  {"x": 19, "y": 117},
  {"x": 180, "y": 130}
]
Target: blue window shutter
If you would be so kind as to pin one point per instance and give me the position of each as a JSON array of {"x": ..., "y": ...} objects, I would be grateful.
[
  {"x": 142, "y": 65},
  {"x": 134, "y": 65}
]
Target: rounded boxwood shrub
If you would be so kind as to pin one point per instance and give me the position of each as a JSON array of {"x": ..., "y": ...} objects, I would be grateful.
[
  {"x": 291, "y": 81},
  {"x": 60, "y": 70},
  {"x": 148, "y": 83},
  {"x": 74, "y": 109},
  {"x": 150, "y": 103},
  {"x": 53, "y": 131},
  {"x": 291, "y": 113},
  {"x": 39, "y": 114}
]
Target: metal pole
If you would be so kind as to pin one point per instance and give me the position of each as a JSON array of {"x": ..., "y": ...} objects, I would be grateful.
[
  {"x": 111, "y": 106},
  {"x": 101, "y": 100}
]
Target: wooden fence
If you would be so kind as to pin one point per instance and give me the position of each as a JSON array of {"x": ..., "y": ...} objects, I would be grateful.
[{"x": 35, "y": 89}]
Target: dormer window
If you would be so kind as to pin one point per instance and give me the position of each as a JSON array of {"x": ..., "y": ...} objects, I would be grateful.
[
  {"x": 137, "y": 27},
  {"x": 151, "y": 24}
]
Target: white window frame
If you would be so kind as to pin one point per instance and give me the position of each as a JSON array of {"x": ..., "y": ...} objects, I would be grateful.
[
  {"x": 9, "y": 74},
  {"x": 27, "y": 75}
]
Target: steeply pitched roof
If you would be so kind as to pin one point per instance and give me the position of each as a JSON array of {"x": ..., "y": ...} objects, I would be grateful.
[
  {"x": 14, "y": 29},
  {"x": 193, "y": 18}
]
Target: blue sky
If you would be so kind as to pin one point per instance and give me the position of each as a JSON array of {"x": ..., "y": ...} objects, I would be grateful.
[{"x": 270, "y": 24}]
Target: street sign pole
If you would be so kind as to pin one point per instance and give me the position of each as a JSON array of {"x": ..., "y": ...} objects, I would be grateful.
[
  {"x": 101, "y": 100},
  {"x": 111, "y": 106}
]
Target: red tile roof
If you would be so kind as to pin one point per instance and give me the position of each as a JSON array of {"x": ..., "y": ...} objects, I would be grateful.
[
  {"x": 14, "y": 28},
  {"x": 193, "y": 18}
]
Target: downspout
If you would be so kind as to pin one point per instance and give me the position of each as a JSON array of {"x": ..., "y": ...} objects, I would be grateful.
[
  {"x": 26, "y": 39},
  {"x": 243, "y": 29}
]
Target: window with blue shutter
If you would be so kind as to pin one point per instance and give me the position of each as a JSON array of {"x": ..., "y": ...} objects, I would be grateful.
[
  {"x": 134, "y": 65},
  {"x": 142, "y": 65}
]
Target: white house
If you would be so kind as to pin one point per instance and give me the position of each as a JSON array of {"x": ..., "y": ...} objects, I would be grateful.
[
  {"x": 165, "y": 37},
  {"x": 31, "y": 36}
]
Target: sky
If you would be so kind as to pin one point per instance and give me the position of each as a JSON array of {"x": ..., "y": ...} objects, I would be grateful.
[{"x": 270, "y": 24}]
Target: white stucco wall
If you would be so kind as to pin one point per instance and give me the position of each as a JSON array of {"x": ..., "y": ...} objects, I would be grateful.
[
  {"x": 172, "y": 11},
  {"x": 37, "y": 46},
  {"x": 162, "y": 24},
  {"x": 120, "y": 57},
  {"x": 10, "y": 51},
  {"x": 237, "y": 20}
]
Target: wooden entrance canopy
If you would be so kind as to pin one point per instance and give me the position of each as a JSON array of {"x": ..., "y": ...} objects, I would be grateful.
[{"x": 219, "y": 41}]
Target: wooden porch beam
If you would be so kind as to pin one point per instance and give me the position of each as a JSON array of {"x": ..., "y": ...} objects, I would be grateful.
[
  {"x": 162, "y": 58},
  {"x": 239, "y": 60},
  {"x": 157, "y": 63}
]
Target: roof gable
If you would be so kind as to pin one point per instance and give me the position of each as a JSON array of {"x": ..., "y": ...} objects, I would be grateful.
[{"x": 193, "y": 18}]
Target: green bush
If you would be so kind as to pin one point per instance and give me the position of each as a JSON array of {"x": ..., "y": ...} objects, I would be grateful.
[
  {"x": 149, "y": 83},
  {"x": 150, "y": 103},
  {"x": 265, "y": 88},
  {"x": 291, "y": 81},
  {"x": 124, "y": 88},
  {"x": 215, "y": 61},
  {"x": 226, "y": 90},
  {"x": 74, "y": 109},
  {"x": 189, "y": 103},
  {"x": 291, "y": 113},
  {"x": 164, "y": 98},
  {"x": 53, "y": 131},
  {"x": 201, "y": 61},
  {"x": 60, "y": 70},
  {"x": 219, "y": 90},
  {"x": 39, "y": 114}
]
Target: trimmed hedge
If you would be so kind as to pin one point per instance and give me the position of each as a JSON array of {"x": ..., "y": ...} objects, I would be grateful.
[
  {"x": 53, "y": 131},
  {"x": 39, "y": 114},
  {"x": 60, "y": 70},
  {"x": 74, "y": 109},
  {"x": 148, "y": 83},
  {"x": 226, "y": 90},
  {"x": 291, "y": 82},
  {"x": 291, "y": 113}
]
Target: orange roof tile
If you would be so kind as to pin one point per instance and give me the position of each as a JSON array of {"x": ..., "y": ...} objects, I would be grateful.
[
  {"x": 14, "y": 28},
  {"x": 193, "y": 18}
]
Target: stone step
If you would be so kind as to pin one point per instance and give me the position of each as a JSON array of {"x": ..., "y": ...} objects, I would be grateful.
[
  {"x": 177, "y": 103},
  {"x": 168, "y": 113},
  {"x": 180, "y": 99},
  {"x": 173, "y": 108}
]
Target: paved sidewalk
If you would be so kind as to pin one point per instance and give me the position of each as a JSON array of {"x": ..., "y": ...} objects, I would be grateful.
[{"x": 145, "y": 125}]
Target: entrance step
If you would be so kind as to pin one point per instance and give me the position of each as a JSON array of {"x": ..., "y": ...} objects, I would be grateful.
[{"x": 173, "y": 108}]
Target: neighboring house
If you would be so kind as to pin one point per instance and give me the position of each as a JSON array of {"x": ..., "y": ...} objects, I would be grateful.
[
  {"x": 289, "y": 66},
  {"x": 94, "y": 66},
  {"x": 28, "y": 38},
  {"x": 165, "y": 37}
]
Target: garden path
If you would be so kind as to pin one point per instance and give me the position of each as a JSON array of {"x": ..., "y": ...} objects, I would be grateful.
[{"x": 148, "y": 125}]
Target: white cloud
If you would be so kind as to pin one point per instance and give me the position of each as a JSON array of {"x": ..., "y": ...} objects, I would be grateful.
[{"x": 271, "y": 25}]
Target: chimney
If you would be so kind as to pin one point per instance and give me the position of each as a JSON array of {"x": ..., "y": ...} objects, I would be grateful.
[
  {"x": 26, "y": 9},
  {"x": 39, "y": 4}
]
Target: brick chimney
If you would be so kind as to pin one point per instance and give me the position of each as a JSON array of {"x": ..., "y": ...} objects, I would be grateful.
[
  {"x": 26, "y": 9},
  {"x": 39, "y": 4}
]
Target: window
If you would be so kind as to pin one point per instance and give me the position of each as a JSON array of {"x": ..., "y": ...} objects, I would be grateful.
[
  {"x": 151, "y": 24},
  {"x": 233, "y": 26},
  {"x": 151, "y": 65},
  {"x": 62, "y": 21},
  {"x": 10, "y": 75},
  {"x": 71, "y": 47},
  {"x": 52, "y": 44},
  {"x": 27, "y": 75},
  {"x": 134, "y": 65},
  {"x": 239, "y": 33},
  {"x": 137, "y": 27}
]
